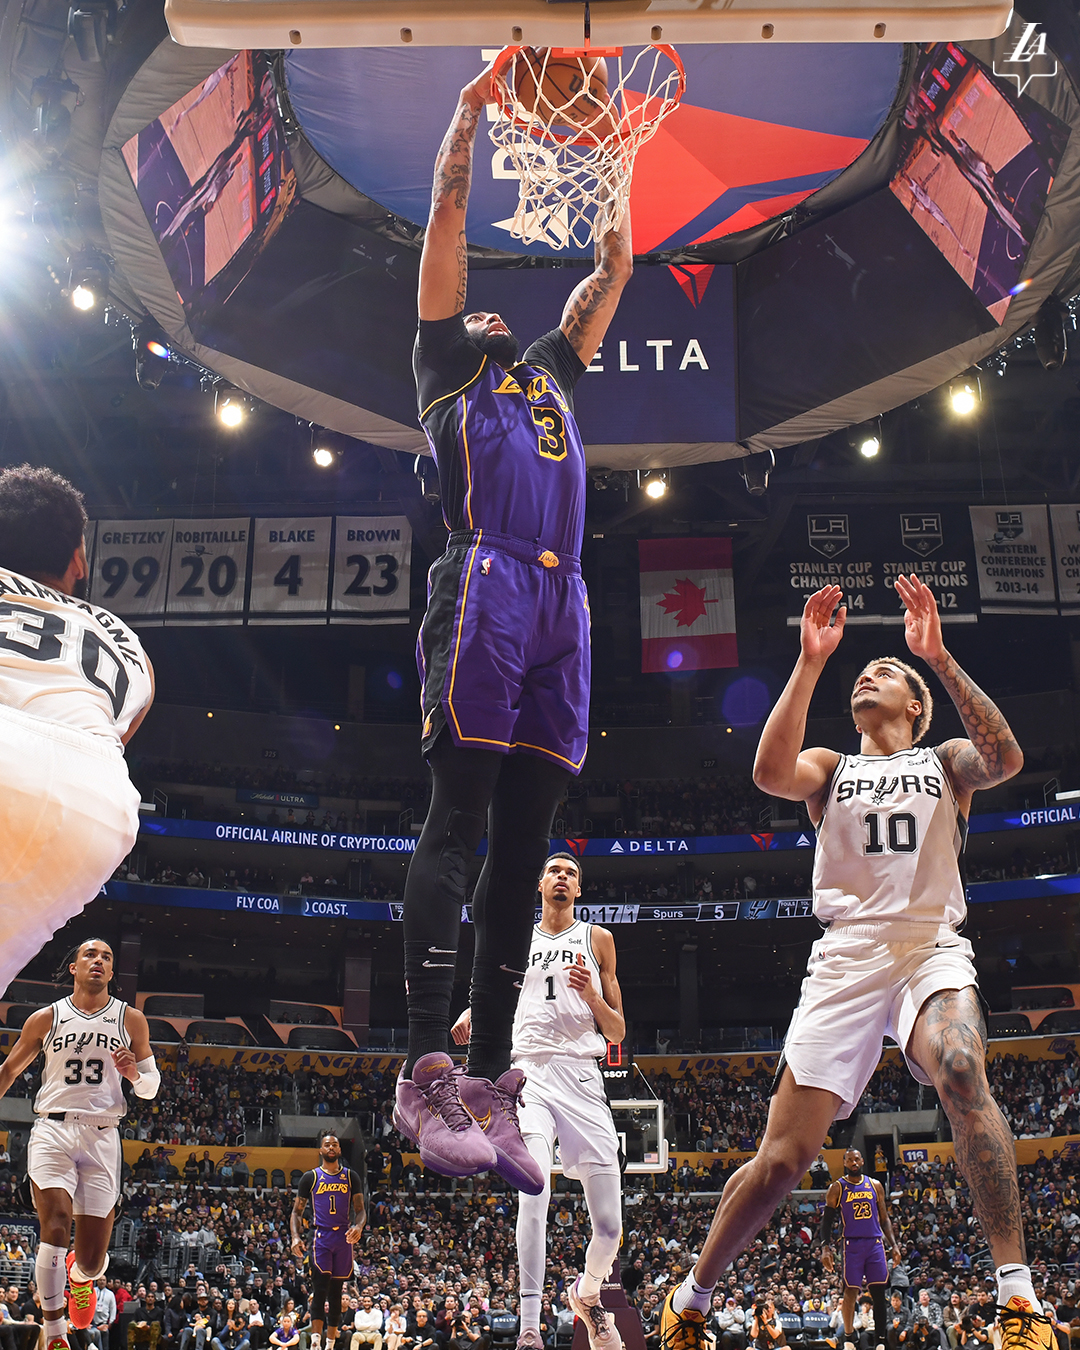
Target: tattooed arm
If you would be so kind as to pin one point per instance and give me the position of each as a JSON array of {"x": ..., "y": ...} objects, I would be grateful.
[
  {"x": 992, "y": 754},
  {"x": 593, "y": 303},
  {"x": 444, "y": 263}
]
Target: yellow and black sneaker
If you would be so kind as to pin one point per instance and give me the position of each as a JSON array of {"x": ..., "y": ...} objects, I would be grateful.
[
  {"x": 681, "y": 1331},
  {"x": 1022, "y": 1328}
]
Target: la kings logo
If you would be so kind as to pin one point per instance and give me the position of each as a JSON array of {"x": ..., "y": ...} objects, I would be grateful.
[{"x": 1028, "y": 59}]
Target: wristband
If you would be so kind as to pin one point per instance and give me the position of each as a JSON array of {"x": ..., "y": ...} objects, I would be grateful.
[{"x": 149, "y": 1079}]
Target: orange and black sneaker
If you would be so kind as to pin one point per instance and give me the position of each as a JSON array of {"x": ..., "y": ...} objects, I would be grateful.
[
  {"x": 1022, "y": 1328},
  {"x": 81, "y": 1300},
  {"x": 681, "y": 1331}
]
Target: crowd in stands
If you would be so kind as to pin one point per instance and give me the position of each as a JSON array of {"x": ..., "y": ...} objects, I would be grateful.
[
  {"x": 1040, "y": 1099},
  {"x": 438, "y": 1268}
]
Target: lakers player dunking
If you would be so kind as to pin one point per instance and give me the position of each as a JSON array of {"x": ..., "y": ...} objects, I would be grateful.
[
  {"x": 865, "y": 1227},
  {"x": 338, "y": 1214},
  {"x": 503, "y": 656},
  {"x": 570, "y": 1006},
  {"x": 891, "y": 823},
  {"x": 91, "y": 1042},
  {"x": 74, "y": 685}
]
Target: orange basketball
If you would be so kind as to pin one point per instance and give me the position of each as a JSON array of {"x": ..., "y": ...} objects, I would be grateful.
[{"x": 567, "y": 91}]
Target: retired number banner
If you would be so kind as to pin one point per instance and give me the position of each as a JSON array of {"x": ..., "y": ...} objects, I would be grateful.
[
  {"x": 208, "y": 570},
  {"x": 1014, "y": 559},
  {"x": 131, "y": 568},
  {"x": 371, "y": 569},
  {"x": 290, "y": 570},
  {"x": 687, "y": 605}
]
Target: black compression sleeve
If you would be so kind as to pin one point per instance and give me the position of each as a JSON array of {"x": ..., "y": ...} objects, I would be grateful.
[
  {"x": 307, "y": 1185},
  {"x": 828, "y": 1220}
]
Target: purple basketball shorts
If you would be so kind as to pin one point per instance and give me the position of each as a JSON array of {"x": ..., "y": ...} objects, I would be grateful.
[
  {"x": 864, "y": 1258},
  {"x": 503, "y": 652},
  {"x": 332, "y": 1255}
]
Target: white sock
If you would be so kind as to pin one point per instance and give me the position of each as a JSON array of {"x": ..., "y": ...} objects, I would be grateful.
[
  {"x": 77, "y": 1275},
  {"x": 530, "y": 1312},
  {"x": 1016, "y": 1280},
  {"x": 690, "y": 1294},
  {"x": 55, "y": 1325},
  {"x": 51, "y": 1275}
]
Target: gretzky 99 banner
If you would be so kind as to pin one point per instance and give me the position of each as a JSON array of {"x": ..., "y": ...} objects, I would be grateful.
[{"x": 319, "y": 569}]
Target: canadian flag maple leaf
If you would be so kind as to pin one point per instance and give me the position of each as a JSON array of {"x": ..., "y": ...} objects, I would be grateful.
[{"x": 686, "y": 601}]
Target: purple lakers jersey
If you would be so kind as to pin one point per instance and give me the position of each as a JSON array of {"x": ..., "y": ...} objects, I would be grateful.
[
  {"x": 507, "y": 447},
  {"x": 331, "y": 1196},
  {"x": 858, "y": 1209}
]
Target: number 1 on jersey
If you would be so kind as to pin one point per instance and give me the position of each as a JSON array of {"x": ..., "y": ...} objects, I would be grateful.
[{"x": 550, "y": 982}]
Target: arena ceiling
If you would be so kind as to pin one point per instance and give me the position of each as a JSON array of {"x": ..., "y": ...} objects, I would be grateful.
[{"x": 789, "y": 226}]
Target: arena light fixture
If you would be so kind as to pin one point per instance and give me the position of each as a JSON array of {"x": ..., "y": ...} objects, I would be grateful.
[
  {"x": 151, "y": 353},
  {"x": 653, "y": 482},
  {"x": 866, "y": 438},
  {"x": 88, "y": 280},
  {"x": 964, "y": 396},
  {"x": 231, "y": 406},
  {"x": 870, "y": 447},
  {"x": 1051, "y": 342},
  {"x": 324, "y": 457}
]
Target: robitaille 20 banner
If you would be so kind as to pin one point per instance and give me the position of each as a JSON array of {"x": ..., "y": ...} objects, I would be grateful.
[{"x": 687, "y": 604}]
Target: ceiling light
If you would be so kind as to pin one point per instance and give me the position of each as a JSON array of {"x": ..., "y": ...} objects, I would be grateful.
[
  {"x": 151, "y": 353},
  {"x": 653, "y": 482},
  {"x": 82, "y": 297},
  {"x": 230, "y": 405},
  {"x": 323, "y": 456},
  {"x": 870, "y": 447},
  {"x": 963, "y": 400}
]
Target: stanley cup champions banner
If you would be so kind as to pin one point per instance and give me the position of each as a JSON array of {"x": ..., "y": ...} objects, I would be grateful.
[{"x": 687, "y": 605}]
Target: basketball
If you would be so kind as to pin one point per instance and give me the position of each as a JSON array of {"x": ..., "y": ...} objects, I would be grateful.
[{"x": 575, "y": 88}]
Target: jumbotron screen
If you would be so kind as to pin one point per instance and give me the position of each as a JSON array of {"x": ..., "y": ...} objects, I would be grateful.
[
  {"x": 215, "y": 179},
  {"x": 976, "y": 168}
]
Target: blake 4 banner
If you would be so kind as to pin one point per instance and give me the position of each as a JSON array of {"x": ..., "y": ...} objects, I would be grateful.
[{"x": 687, "y": 605}]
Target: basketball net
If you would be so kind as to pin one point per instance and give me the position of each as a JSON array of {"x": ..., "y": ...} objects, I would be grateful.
[{"x": 576, "y": 166}]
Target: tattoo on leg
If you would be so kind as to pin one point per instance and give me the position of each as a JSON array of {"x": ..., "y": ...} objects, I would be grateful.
[{"x": 981, "y": 1136}]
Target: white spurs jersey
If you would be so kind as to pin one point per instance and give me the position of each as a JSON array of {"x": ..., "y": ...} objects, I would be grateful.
[
  {"x": 68, "y": 661},
  {"x": 79, "y": 1074},
  {"x": 551, "y": 1018},
  {"x": 889, "y": 840}
]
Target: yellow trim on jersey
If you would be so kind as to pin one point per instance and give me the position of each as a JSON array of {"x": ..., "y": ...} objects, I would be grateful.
[
  {"x": 461, "y": 390},
  {"x": 524, "y": 745},
  {"x": 468, "y": 461}
]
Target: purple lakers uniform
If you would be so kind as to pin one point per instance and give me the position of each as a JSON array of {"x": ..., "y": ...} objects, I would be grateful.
[
  {"x": 864, "y": 1246},
  {"x": 331, "y": 1196},
  {"x": 503, "y": 652}
]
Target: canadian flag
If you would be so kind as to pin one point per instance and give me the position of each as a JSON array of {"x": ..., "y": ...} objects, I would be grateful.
[{"x": 687, "y": 604}]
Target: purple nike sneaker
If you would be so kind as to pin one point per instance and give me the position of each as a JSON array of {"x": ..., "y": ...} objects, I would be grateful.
[
  {"x": 428, "y": 1111},
  {"x": 494, "y": 1108}
]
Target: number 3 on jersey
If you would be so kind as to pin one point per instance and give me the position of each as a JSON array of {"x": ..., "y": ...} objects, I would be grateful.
[{"x": 551, "y": 432}]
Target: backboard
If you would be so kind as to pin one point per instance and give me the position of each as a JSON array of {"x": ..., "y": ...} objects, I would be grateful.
[
  {"x": 640, "y": 1127},
  {"x": 281, "y": 24}
]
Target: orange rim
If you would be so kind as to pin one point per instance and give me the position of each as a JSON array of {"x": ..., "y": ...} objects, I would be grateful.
[{"x": 506, "y": 104}]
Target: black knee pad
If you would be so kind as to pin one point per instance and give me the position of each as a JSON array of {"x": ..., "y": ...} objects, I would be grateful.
[
  {"x": 320, "y": 1291},
  {"x": 333, "y": 1303},
  {"x": 464, "y": 830}
]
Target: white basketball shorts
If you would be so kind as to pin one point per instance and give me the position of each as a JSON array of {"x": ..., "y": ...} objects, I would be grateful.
[
  {"x": 862, "y": 985},
  {"x": 78, "y": 1157},
  {"x": 564, "y": 1099},
  {"x": 69, "y": 815}
]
